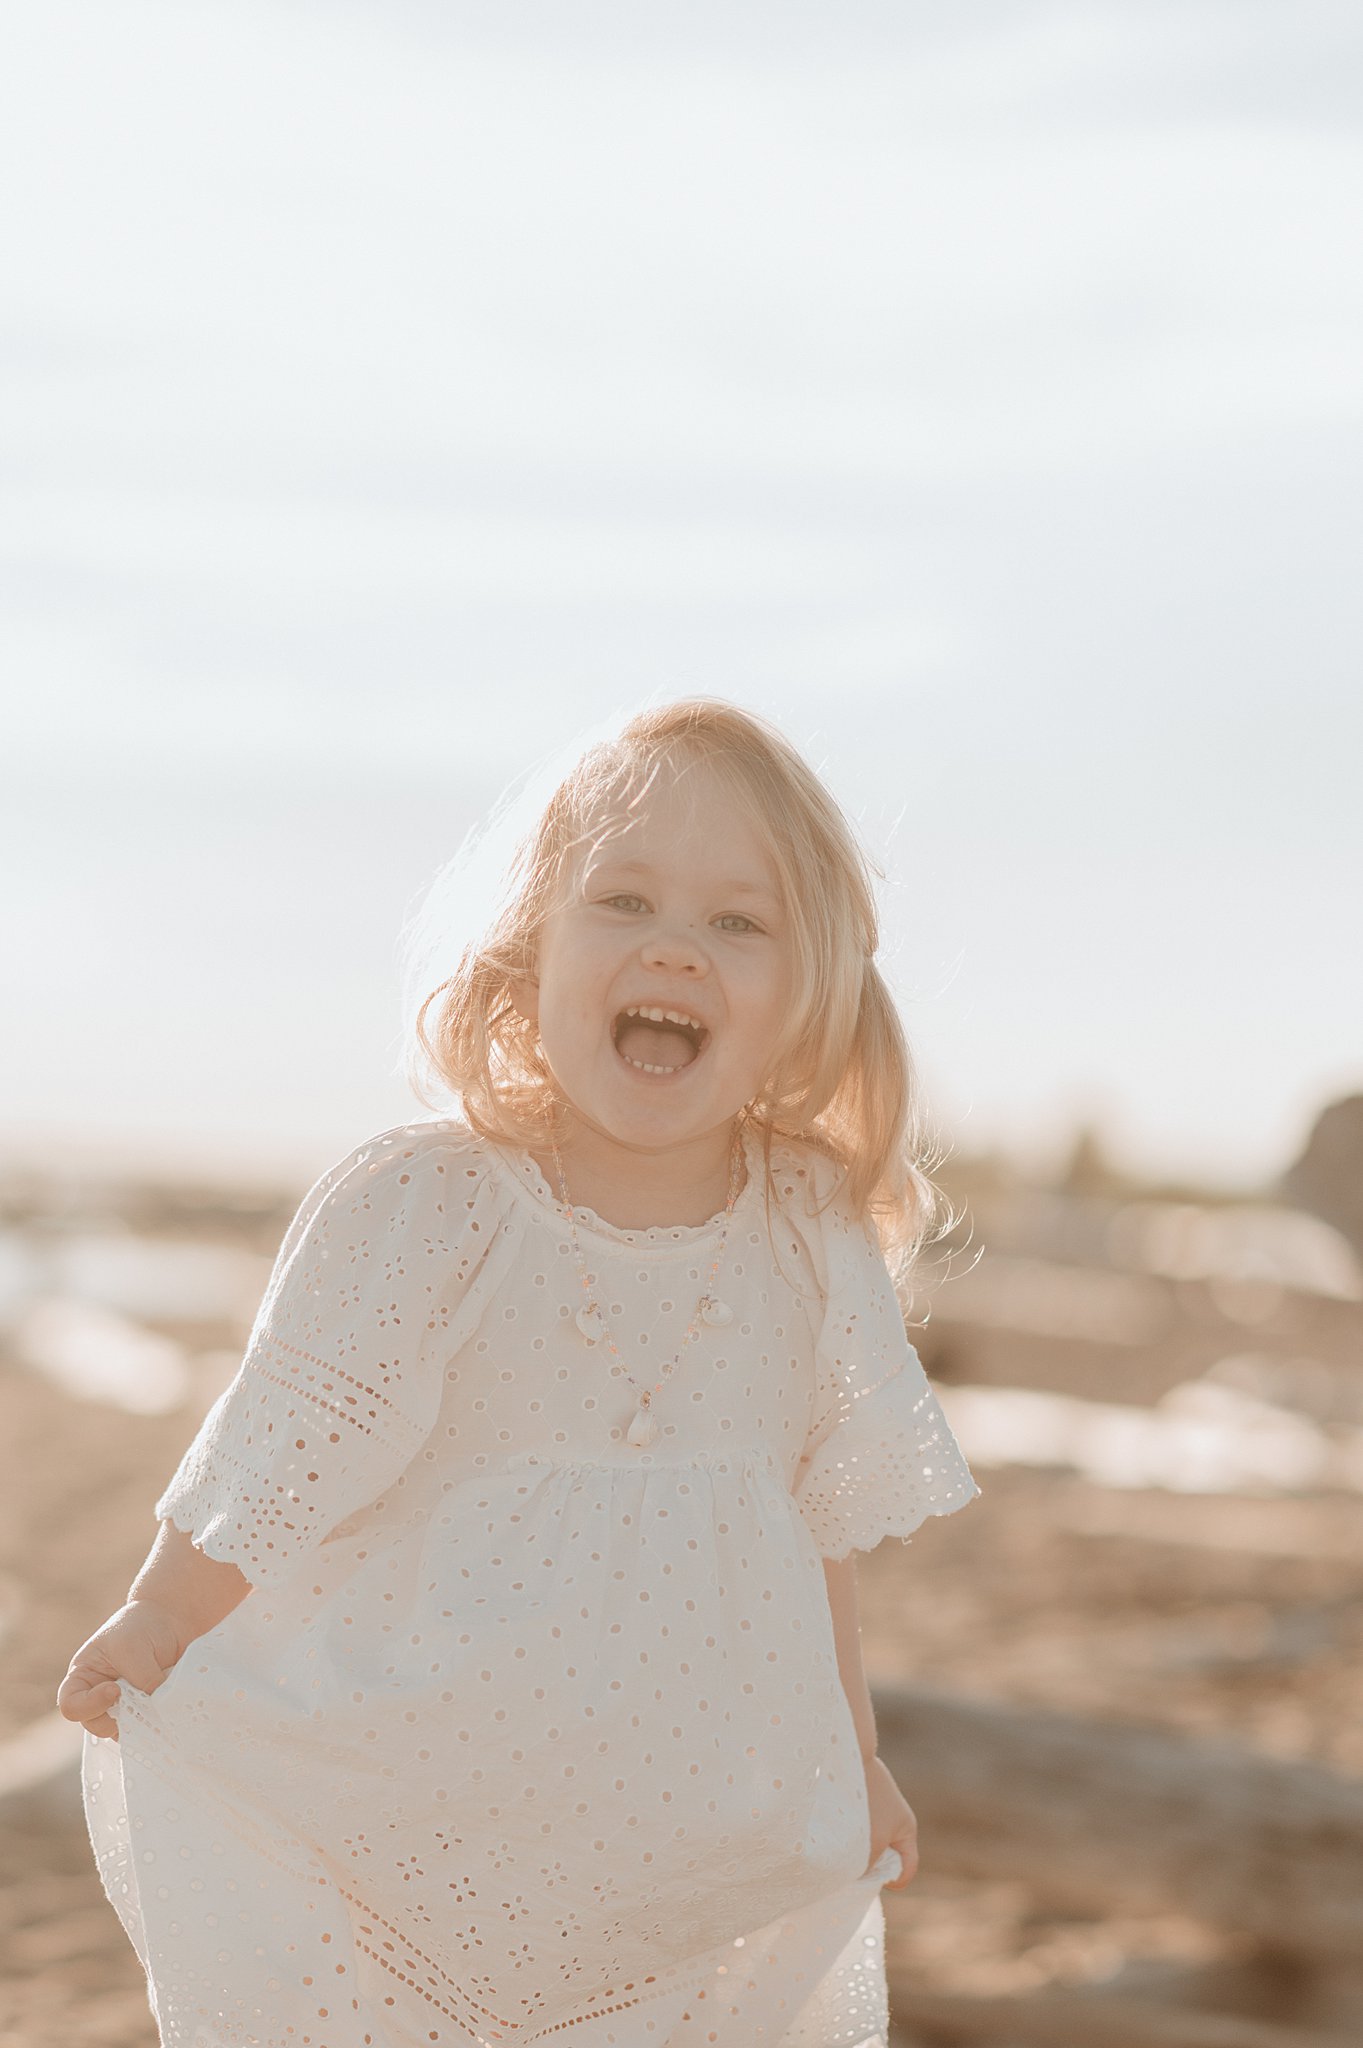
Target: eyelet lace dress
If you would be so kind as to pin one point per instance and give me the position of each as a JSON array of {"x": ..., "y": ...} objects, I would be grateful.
[{"x": 524, "y": 1735}]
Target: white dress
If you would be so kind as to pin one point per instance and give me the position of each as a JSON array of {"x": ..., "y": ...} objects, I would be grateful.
[{"x": 524, "y": 1735}]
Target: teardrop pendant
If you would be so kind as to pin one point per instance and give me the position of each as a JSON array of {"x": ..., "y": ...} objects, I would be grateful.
[
  {"x": 595, "y": 1326},
  {"x": 643, "y": 1430}
]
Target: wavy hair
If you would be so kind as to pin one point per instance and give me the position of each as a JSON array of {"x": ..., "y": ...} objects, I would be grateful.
[{"x": 843, "y": 1080}]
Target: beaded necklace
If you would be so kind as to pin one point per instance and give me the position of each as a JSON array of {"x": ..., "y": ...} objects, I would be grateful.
[{"x": 591, "y": 1321}]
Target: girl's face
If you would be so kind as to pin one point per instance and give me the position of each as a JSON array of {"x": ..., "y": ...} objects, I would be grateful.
[{"x": 678, "y": 912}]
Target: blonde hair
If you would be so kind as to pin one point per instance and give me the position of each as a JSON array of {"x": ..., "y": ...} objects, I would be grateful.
[{"x": 843, "y": 1080}]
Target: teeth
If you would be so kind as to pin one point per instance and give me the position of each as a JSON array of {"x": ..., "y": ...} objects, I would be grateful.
[{"x": 665, "y": 1016}]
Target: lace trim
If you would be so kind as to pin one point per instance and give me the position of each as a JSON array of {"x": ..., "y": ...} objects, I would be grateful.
[{"x": 525, "y": 1176}]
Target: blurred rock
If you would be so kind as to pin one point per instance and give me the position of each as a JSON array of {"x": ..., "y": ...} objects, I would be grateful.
[{"x": 1327, "y": 1179}]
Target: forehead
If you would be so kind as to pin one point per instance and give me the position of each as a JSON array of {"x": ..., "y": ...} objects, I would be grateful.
[{"x": 694, "y": 825}]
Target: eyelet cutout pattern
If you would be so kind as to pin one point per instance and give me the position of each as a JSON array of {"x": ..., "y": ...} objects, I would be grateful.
[
  {"x": 880, "y": 1456},
  {"x": 522, "y": 1736}
]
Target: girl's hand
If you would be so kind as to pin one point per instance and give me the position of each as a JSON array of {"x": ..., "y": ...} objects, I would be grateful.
[
  {"x": 141, "y": 1643},
  {"x": 894, "y": 1824}
]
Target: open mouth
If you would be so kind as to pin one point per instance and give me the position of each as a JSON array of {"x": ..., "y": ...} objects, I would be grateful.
[{"x": 658, "y": 1041}]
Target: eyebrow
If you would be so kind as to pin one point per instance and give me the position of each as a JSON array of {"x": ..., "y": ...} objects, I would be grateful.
[{"x": 735, "y": 886}]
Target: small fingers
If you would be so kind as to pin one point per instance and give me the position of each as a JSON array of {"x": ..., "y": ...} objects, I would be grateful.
[
  {"x": 77, "y": 1693},
  {"x": 90, "y": 1704}
]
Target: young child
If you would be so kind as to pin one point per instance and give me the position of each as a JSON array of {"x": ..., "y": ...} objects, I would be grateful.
[{"x": 494, "y": 1676}]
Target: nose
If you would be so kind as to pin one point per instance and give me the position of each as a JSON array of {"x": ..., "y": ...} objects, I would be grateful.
[{"x": 677, "y": 948}]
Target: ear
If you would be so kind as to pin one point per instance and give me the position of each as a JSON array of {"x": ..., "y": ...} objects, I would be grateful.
[{"x": 525, "y": 998}]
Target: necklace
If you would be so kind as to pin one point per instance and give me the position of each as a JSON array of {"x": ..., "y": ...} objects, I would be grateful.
[{"x": 643, "y": 1430}]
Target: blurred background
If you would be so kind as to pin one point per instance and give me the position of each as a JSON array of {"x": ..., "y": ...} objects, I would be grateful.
[{"x": 394, "y": 395}]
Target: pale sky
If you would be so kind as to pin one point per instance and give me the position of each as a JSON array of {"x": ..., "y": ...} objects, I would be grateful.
[{"x": 392, "y": 392}]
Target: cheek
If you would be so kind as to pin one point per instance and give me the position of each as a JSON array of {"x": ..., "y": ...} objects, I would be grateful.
[
  {"x": 778, "y": 986},
  {"x": 779, "y": 1011},
  {"x": 765, "y": 1016},
  {"x": 570, "y": 984},
  {"x": 582, "y": 1014}
]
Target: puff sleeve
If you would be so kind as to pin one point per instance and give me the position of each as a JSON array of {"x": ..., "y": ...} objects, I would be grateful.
[
  {"x": 382, "y": 1273},
  {"x": 880, "y": 1456}
]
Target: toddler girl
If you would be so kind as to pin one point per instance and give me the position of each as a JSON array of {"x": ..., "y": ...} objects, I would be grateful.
[{"x": 494, "y": 1676}]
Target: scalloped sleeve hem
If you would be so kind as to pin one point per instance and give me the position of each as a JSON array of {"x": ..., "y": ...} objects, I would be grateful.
[
  {"x": 885, "y": 1470},
  {"x": 879, "y": 1456}
]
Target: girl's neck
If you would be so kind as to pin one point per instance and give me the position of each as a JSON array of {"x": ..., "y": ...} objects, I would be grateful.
[{"x": 687, "y": 1185}]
